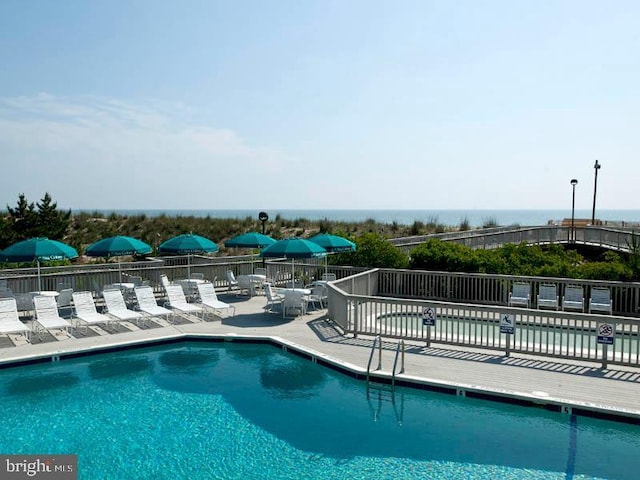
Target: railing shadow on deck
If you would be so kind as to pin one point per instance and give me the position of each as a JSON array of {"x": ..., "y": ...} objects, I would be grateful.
[{"x": 328, "y": 332}]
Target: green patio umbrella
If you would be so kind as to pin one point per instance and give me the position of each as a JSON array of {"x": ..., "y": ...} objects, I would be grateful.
[
  {"x": 188, "y": 244},
  {"x": 38, "y": 249},
  {"x": 293, "y": 248},
  {"x": 250, "y": 240},
  {"x": 118, "y": 246},
  {"x": 333, "y": 244}
]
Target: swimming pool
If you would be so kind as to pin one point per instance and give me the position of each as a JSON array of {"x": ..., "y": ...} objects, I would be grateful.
[{"x": 244, "y": 411}]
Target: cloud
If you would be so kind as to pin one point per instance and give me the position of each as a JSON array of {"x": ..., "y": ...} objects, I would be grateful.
[{"x": 92, "y": 152}]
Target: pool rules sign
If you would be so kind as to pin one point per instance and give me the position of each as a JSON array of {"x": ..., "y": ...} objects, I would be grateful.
[{"x": 507, "y": 323}]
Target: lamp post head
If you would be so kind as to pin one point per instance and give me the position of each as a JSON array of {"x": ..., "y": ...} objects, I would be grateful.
[
  {"x": 574, "y": 182},
  {"x": 597, "y": 166}
]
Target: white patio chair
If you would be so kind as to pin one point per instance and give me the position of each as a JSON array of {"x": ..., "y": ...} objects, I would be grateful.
[
  {"x": 116, "y": 307},
  {"x": 85, "y": 311},
  {"x": 47, "y": 317},
  {"x": 197, "y": 276},
  {"x": 231, "y": 280},
  {"x": 294, "y": 301},
  {"x": 178, "y": 301},
  {"x": 548, "y": 297},
  {"x": 164, "y": 281},
  {"x": 318, "y": 296},
  {"x": 328, "y": 277},
  {"x": 273, "y": 298},
  {"x": 573, "y": 298},
  {"x": 10, "y": 320},
  {"x": 147, "y": 303},
  {"x": 64, "y": 299},
  {"x": 600, "y": 300},
  {"x": 209, "y": 299},
  {"x": 520, "y": 295}
]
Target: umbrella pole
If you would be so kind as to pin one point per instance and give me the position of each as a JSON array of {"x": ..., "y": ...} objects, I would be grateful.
[
  {"x": 39, "y": 280},
  {"x": 188, "y": 266},
  {"x": 326, "y": 266},
  {"x": 119, "y": 270}
]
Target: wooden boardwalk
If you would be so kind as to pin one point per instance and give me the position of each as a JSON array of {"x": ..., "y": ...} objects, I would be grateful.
[{"x": 579, "y": 386}]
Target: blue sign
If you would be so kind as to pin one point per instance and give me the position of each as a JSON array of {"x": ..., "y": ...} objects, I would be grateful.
[
  {"x": 605, "y": 334},
  {"x": 507, "y": 323},
  {"x": 428, "y": 317}
]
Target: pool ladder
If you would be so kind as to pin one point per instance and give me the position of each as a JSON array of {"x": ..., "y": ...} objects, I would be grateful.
[{"x": 378, "y": 390}]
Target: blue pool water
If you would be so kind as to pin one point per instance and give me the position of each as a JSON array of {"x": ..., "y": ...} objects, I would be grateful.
[{"x": 246, "y": 411}]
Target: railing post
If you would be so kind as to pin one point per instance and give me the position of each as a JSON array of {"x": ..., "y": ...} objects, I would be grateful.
[{"x": 355, "y": 319}]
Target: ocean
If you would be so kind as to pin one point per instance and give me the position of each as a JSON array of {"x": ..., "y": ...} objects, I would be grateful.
[{"x": 475, "y": 218}]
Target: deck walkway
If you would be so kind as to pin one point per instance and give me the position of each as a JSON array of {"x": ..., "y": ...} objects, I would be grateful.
[{"x": 579, "y": 385}]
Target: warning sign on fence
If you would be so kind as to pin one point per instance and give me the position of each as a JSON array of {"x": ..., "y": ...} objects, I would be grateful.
[{"x": 428, "y": 316}]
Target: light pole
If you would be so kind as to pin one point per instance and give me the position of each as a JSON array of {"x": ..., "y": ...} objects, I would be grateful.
[
  {"x": 574, "y": 182},
  {"x": 596, "y": 167}
]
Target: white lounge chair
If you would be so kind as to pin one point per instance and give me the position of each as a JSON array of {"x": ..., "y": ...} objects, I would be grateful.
[
  {"x": 116, "y": 307},
  {"x": 273, "y": 298},
  {"x": 178, "y": 301},
  {"x": 10, "y": 320},
  {"x": 86, "y": 312},
  {"x": 520, "y": 295},
  {"x": 47, "y": 317},
  {"x": 147, "y": 303},
  {"x": 600, "y": 300},
  {"x": 573, "y": 298},
  {"x": 209, "y": 299},
  {"x": 548, "y": 297}
]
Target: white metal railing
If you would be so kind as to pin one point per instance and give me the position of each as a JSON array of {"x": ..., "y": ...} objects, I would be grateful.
[
  {"x": 613, "y": 238},
  {"x": 494, "y": 289},
  {"x": 549, "y": 333}
]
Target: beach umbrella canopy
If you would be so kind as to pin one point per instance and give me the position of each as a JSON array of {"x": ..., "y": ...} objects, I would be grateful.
[
  {"x": 188, "y": 244},
  {"x": 333, "y": 244},
  {"x": 250, "y": 240},
  {"x": 293, "y": 248},
  {"x": 118, "y": 246},
  {"x": 38, "y": 249}
]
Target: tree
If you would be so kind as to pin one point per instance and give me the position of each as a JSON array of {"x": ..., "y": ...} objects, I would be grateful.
[
  {"x": 28, "y": 220},
  {"x": 22, "y": 219},
  {"x": 51, "y": 222},
  {"x": 373, "y": 251}
]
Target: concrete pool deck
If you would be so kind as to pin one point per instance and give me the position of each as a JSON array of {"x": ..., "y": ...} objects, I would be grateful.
[{"x": 564, "y": 385}]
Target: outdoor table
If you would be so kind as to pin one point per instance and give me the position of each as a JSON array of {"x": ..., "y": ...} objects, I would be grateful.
[
  {"x": 45, "y": 293},
  {"x": 254, "y": 280}
]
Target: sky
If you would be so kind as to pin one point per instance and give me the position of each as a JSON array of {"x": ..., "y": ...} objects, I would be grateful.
[{"x": 331, "y": 104}]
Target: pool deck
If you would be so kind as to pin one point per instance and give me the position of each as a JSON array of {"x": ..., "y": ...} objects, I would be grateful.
[{"x": 564, "y": 385}]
